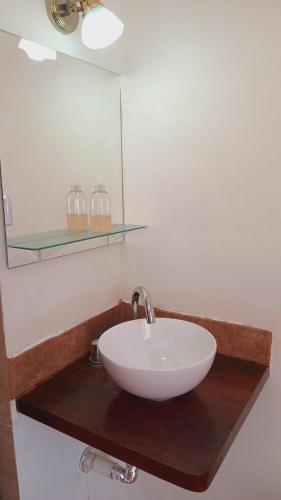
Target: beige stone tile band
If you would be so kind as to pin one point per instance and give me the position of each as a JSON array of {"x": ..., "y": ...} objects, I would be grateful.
[{"x": 30, "y": 368}]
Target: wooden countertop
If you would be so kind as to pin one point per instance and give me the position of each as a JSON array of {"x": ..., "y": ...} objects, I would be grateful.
[{"x": 183, "y": 440}]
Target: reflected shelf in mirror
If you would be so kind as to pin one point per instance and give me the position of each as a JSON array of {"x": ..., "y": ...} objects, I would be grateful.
[{"x": 60, "y": 237}]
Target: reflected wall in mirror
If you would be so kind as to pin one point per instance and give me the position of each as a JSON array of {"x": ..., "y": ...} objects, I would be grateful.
[{"x": 60, "y": 125}]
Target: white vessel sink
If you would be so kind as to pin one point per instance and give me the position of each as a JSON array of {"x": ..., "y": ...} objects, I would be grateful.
[{"x": 157, "y": 361}]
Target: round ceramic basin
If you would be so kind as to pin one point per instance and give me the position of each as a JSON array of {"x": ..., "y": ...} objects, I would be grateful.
[{"x": 159, "y": 361}]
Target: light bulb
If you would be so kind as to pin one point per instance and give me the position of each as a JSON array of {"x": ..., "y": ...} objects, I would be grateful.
[
  {"x": 100, "y": 28},
  {"x": 37, "y": 52}
]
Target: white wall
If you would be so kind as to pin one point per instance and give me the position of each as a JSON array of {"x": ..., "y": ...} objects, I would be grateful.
[
  {"x": 202, "y": 129},
  {"x": 202, "y": 150},
  {"x": 202, "y": 117},
  {"x": 45, "y": 299},
  {"x": 48, "y": 463}
]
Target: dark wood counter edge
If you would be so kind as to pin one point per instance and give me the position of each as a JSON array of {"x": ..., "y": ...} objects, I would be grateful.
[
  {"x": 193, "y": 483},
  {"x": 238, "y": 425},
  {"x": 119, "y": 452}
]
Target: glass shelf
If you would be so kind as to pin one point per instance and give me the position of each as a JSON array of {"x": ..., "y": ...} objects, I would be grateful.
[{"x": 60, "y": 237}]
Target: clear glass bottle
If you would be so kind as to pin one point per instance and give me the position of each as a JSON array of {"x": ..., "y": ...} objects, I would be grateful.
[
  {"x": 77, "y": 219},
  {"x": 100, "y": 210}
]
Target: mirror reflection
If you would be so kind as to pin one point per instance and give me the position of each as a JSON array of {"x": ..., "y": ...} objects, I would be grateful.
[{"x": 60, "y": 152}]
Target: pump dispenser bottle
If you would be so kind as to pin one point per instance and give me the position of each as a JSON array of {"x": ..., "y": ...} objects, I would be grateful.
[
  {"x": 77, "y": 219},
  {"x": 100, "y": 209}
]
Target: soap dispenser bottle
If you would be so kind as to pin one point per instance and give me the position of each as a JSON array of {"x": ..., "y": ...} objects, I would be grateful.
[
  {"x": 100, "y": 209},
  {"x": 77, "y": 219}
]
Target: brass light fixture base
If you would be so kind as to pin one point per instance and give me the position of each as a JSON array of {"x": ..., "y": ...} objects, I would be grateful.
[{"x": 63, "y": 15}]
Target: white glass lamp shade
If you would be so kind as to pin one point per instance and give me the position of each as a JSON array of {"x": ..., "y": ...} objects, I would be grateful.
[
  {"x": 101, "y": 28},
  {"x": 36, "y": 51}
]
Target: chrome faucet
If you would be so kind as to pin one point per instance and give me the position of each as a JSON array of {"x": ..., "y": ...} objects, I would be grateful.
[{"x": 148, "y": 306}]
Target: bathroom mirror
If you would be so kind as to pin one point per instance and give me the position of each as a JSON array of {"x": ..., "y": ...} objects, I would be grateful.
[{"x": 60, "y": 124}]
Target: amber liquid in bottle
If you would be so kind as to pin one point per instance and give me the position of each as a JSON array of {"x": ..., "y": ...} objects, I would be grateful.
[
  {"x": 77, "y": 219},
  {"x": 77, "y": 222},
  {"x": 101, "y": 223},
  {"x": 100, "y": 203}
]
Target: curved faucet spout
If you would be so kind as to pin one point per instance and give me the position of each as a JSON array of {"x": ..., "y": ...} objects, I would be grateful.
[{"x": 138, "y": 292}]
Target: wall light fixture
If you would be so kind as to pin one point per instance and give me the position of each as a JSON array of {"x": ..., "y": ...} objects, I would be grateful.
[{"x": 100, "y": 26}]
